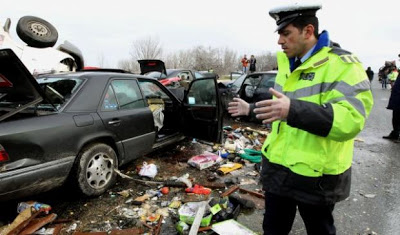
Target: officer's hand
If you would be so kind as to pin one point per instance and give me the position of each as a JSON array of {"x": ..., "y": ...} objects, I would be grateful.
[
  {"x": 272, "y": 110},
  {"x": 238, "y": 107}
]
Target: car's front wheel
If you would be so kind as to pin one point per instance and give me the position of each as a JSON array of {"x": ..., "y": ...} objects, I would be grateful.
[{"x": 94, "y": 171}]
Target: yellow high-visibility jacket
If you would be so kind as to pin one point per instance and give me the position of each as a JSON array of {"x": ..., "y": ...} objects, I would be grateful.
[
  {"x": 393, "y": 76},
  {"x": 330, "y": 101}
]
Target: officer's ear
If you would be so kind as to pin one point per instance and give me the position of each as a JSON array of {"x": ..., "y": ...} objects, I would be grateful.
[{"x": 308, "y": 31}]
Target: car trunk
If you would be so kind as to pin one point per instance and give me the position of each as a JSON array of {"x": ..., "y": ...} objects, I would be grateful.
[
  {"x": 152, "y": 65},
  {"x": 19, "y": 91}
]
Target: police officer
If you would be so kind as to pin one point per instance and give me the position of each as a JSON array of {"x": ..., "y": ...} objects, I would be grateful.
[{"x": 321, "y": 101}]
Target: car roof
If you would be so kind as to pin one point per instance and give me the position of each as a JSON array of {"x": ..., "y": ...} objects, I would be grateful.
[{"x": 88, "y": 96}]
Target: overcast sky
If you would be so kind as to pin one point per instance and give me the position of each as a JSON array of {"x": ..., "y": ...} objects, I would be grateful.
[{"x": 104, "y": 30}]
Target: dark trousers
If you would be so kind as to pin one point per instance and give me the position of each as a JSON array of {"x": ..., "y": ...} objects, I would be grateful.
[
  {"x": 396, "y": 123},
  {"x": 281, "y": 211},
  {"x": 384, "y": 83}
]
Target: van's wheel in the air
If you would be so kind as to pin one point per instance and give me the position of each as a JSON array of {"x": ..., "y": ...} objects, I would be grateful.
[
  {"x": 94, "y": 170},
  {"x": 37, "y": 32}
]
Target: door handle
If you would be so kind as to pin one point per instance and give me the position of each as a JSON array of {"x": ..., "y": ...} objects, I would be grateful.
[{"x": 114, "y": 122}]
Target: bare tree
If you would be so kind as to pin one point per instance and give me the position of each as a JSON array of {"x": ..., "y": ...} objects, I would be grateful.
[
  {"x": 230, "y": 61},
  {"x": 220, "y": 60},
  {"x": 266, "y": 61},
  {"x": 128, "y": 65},
  {"x": 101, "y": 60},
  {"x": 206, "y": 58},
  {"x": 146, "y": 48}
]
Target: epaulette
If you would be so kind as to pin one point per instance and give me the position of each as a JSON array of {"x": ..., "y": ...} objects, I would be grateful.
[{"x": 346, "y": 56}]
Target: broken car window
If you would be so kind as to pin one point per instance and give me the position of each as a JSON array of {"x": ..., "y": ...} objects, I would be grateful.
[{"x": 110, "y": 101}]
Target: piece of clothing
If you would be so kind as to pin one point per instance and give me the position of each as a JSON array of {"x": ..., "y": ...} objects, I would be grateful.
[
  {"x": 324, "y": 190},
  {"x": 330, "y": 101},
  {"x": 384, "y": 83},
  {"x": 394, "y": 100},
  {"x": 245, "y": 62},
  {"x": 308, "y": 54},
  {"x": 396, "y": 123},
  {"x": 296, "y": 64},
  {"x": 253, "y": 62},
  {"x": 280, "y": 213}
]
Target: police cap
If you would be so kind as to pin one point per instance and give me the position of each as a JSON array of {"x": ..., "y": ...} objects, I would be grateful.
[{"x": 285, "y": 15}]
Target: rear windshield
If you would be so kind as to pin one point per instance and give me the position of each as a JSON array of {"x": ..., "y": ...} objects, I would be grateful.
[{"x": 59, "y": 90}]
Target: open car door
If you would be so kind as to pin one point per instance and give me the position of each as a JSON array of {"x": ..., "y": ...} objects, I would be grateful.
[{"x": 202, "y": 111}]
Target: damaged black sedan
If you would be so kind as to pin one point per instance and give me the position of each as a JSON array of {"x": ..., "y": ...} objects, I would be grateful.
[{"x": 79, "y": 127}]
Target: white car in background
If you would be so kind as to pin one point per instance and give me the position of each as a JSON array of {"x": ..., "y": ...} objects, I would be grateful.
[{"x": 38, "y": 54}]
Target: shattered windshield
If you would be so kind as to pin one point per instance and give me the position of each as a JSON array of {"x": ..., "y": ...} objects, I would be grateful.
[{"x": 58, "y": 90}]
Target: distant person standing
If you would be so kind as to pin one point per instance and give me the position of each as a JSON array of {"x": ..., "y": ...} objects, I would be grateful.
[
  {"x": 385, "y": 78},
  {"x": 245, "y": 63},
  {"x": 370, "y": 74},
  {"x": 253, "y": 62},
  {"x": 394, "y": 104}
]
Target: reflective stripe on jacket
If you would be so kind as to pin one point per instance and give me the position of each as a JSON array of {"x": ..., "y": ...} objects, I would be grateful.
[{"x": 330, "y": 101}]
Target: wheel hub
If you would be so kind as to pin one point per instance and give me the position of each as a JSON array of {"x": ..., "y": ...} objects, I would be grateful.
[
  {"x": 39, "y": 29},
  {"x": 99, "y": 171}
]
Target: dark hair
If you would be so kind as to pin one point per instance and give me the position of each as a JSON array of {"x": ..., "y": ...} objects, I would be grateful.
[{"x": 303, "y": 21}]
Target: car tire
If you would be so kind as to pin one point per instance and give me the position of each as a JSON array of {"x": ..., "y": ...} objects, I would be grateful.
[
  {"x": 36, "y": 32},
  {"x": 94, "y": 170}
]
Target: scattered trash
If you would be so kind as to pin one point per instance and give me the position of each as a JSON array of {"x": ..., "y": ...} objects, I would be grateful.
[
  {"x": 226, "y": 168},
  {"x": 191, "y": 197},
  {"x": 175, "y": 204},
  {"x": 187, "y": 213},
  {"x": 256, "y": 194},
  {"x": 182, "y": 227},
  {"x": 238, "y": 199},
  {"x": 204, "y": 160},
  {"x": 129, "y": 213},
  {"x": 185, "y": 179},
  {"x": 368, "y": 195},
  {"x": 35, "y": 205},
  {"x": 247, "y": 181},
  {"x": 148, "y": 170},
  {"x": 231, "y": 226},
  {"x": 230, "y": 190},
  {"x": 251, "y": 155},
  {"x": 223, "y": 154},
  {"x": 72, "y": 227},
  {"x": 197, "y": 189},
  {"x": 164, "y": 190},
  {"x": 124, "y": 193}
]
